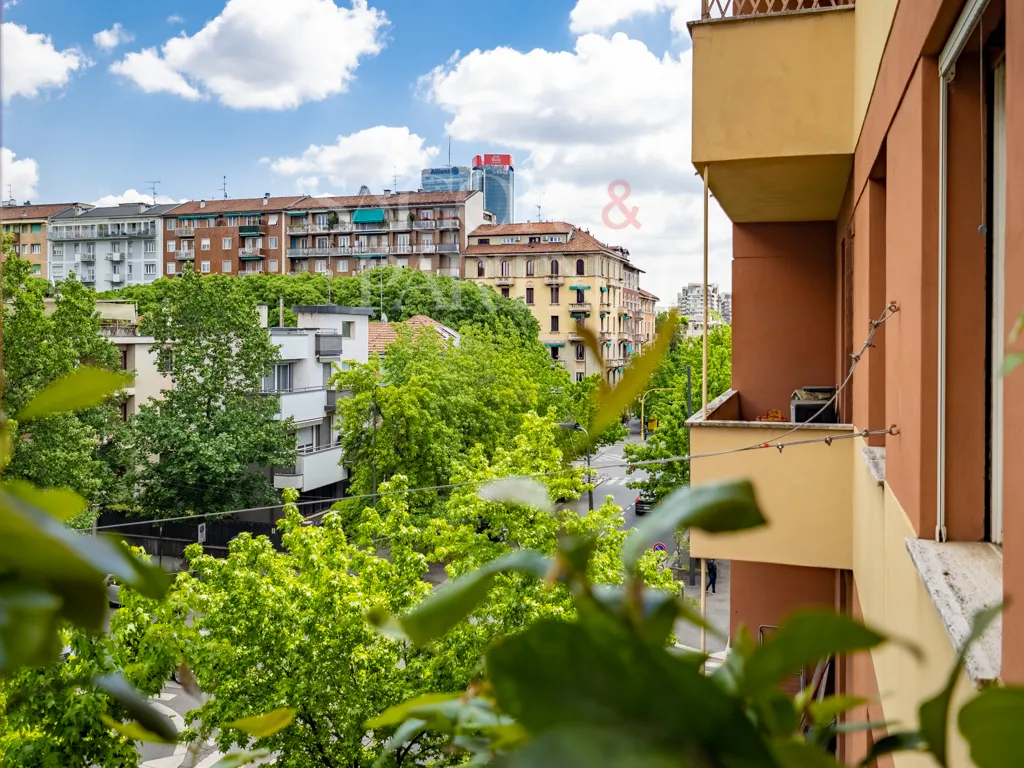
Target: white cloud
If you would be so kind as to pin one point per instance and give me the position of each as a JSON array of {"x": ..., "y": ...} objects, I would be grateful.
[
  {"x": 22, "y": 175},
  {"x": 175, "y": 18},
  {"x": 308, "y": 185},
  {"x": 579, "y": 120},
  {"x": 373, "y": 156},
  {"x": 256, "y": 56},
  {"x": 603, "y": 15},
  {"x": 10, "y": 4},
  {"x": 109, "y": 39},
  {"x": 29, "y": 63},
  {"x": 134, "y": 196}
]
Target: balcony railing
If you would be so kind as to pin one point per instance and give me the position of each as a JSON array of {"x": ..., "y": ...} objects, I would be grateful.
[
  {"x": 450, "y": 272},
  {"x": 370, "y": 226},
  {"x": 402, "y": 248},
  {"x": 554, "y": 280},
  {"x": 315, "y": 467},
  {"x": 448, "y": 224},
  {"x": 101, "y": 234},
  {"x": 298, "y": 229},
  {"x": 249, "y": 230},
  {"x": 579, "y": 306},
  {"x": 117, "y": 277},
  {"x": 504, "y": 280},
  {"x": 328, "y": 345},
  {"x": 724, "y": 9},
  {"x": 89, "y": 256},
  {"x": 424, "y": 224},
  {"x": 447, "y": 247},
  {"x": 400, "y": 225},
  {"x": 185, "y": 255},
  {"x": 185, "y": 231},
  {"x": 250, "y": 254}
]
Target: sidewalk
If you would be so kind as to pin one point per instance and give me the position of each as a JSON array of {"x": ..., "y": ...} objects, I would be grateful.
[{"x": 717, "y": 612}]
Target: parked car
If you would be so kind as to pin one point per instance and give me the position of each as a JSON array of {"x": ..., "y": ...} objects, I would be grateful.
[{"x": 643, "y": 503}]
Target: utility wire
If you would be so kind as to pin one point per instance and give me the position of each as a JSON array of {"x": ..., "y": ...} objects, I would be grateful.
[{"x": 776, "y": 443}]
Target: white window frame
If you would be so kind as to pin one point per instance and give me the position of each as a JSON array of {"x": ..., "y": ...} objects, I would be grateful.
[
  {"x": 226, "y": 267},
  {"x": 170, "y": 246},
  {"x": 149, "y": 269},
  {"x": 204, "y": 244},
  {"x": 272, "y": 242},
  {"x": 225, "y": 243},
  {"x": 170, "y": 267},
  {"x": 272, "y": 266},
  {"x": 343, "y": 265}
]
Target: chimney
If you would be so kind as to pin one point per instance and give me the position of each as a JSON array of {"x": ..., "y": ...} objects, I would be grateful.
[
  {"x": 202, "y": 203},
  {"x": 262, "y": 309},
  {"x": 387, "y": 193},
  {"x": 266, "y": 198}
]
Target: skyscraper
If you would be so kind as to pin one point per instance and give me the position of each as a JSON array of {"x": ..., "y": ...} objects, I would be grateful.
[
  {"x": 454, "y": 178},
  {"x": 495, "y": 176}
]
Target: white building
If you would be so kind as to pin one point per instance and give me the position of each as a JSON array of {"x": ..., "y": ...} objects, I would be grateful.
[
  {"x": 326, "y": 335},
  {"x": 727, "y": 307},
  {"x": 691, "y": 300},
  {"x": 106, "y": 247}
]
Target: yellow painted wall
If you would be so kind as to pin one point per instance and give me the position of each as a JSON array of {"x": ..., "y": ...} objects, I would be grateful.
[
  {"x": 789, "y": 86},
  {"x": 805, "y": 492},
  {"x": 872, "y": 21},
  {"x": 893, "y": 599}
]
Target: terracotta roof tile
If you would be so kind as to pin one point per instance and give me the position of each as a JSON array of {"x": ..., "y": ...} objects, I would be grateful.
[
  {"x": 381, "y": 201},
  {"x": 382, "y": 334},
  {"x": 239, "y": 205},
  {"x": 42, "y": 211},
  {"x": 578, "y": 241},
  {"x": 648, "y": 295}
]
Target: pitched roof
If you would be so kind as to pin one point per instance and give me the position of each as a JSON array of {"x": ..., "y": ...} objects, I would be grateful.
[
  {"x": 42, "y": 211},
  {"x": 382, "y": 201},
  {"x": 239, "y": 205},
  {"x": 648, "y": 295},
  {"x": 382, "y": 334},
  {"x": 524, "y": 228},
  {"x": 117, "y": 211},
  {"x": 577, "y": 240}
]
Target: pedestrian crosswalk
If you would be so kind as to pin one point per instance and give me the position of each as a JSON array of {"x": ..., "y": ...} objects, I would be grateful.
[{"x": 605, "y": 480}]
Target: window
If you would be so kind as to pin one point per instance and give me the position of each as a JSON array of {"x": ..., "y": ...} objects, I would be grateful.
[
  {"x": 403, "y": 263},
  {"x": 37, "y": 228},
  {"x": 130, "y": 271},
  {"x": 232, "y": 221},
  {"x": 504, "y": 292},
  {"x": 529, "y": 268},
  {"x": 150, "y": 247},
  {"x": 280, "y": 380},
  {"x": 115, "y": 248},
  {"x": 273, "y": 219},
  {"x": 204, "y": 267},
  {"x": 321, "y": 266},
  {"x": 505, "y": 269},
  {"x": 273, "y": 242},
  {"x": 58, "y": 273},
  {"x": 170, "y": 268},
  {"x": 35, "y": 248},
  {"x": 554, "y": 266},
  {"x": 580, "y": 267},
  {"x": 348, "y": 329},
  {"x": 272, "y": 266},
  {"x": 580, "y": 375},
  {"x": 323, "y": 242},
  {"x": 581, "y": 352},
  {"x": 225, "y": 243},
  {"x": 483, "y": 241},
  {"x": 343, "y": 265},
  {"x": 579, "y": 297},
  {"x": 507, "y": 240},
  {"x": 554, "y": 294},
  {"x": 58, "y": 251},
  {"x": 554, "y": 238},
  {"x": 149, "y": 269},
  {"x": 554, "y": 353},
  {"x": 529, "y": 295},
  {"x": 170, "y": 246},
  {"x": 225, "y": 266},
  {"x": 78, "y": 247},
  {"x": 479, "y": 269},
  {"x": 37, "y": 269},
  {"x": 554, "y": 323},
  {"x": 170, "y": 224},
  {"x": 204, "y": 244},
  {"x": 534, "y": 239}
]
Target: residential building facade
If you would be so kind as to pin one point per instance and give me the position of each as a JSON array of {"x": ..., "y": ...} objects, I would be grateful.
[
  {"x": 567, "y": 278},
  {"x": 382, "y": 334},
  {"x": 495, "y": 176},
  {"x": 106, "y": 248},
  {"x": 649, "y": 315},
  {"x": 27, "y": 225},
  {"x": 119, "y": 322},
  {"x": 877, "y": 187},
  {"x": 726, "y": 305},
  {"x": 325, "y": 336},
  {"x": 347, "y": 235},
  {"x": 226, "y": 237},
  {"x": 691, "y": 300}
]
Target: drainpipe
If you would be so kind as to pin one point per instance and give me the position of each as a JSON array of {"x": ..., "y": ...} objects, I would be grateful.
[{"x": 704, "y": 382}]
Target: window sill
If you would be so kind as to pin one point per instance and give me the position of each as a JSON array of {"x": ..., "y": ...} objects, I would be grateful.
[
  {"x": 875, "y": 459},
  {"x": 962, "y": 578}
]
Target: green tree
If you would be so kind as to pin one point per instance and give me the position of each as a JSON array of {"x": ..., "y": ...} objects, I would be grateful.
[
  {"x": 78, "y": 450},
  {"x": 213, "y": 432}
]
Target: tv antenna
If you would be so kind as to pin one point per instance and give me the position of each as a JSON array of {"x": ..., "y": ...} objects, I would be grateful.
[
  {"x": 396, "y": 178},
  {"x": 540, "y": 195},
  {"x": 224, "y": 188},
  {"x": 152, "y": 189}
]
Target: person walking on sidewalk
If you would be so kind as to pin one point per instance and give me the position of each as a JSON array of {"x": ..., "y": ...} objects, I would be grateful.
[{"x": 712, "y": 577}]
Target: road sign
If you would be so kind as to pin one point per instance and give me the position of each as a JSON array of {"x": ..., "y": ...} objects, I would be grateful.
[
  {"x": 202, "y": 533},
  {"x": 659, "y": 547}
]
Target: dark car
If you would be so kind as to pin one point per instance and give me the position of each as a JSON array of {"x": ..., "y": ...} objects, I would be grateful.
[{"x": 643, "y": 503}]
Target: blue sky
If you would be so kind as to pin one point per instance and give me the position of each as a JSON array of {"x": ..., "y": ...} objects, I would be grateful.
[{"x": 320, "y": 96}]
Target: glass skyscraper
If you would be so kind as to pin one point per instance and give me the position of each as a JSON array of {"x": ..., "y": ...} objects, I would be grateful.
[
  {"x": 454, "y": 178},
  {"x": 495, "y": 176}
]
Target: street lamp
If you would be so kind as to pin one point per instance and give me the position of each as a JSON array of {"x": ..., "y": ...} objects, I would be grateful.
[
  {"x": 574, "y": 426},
  {"x": 643, "y": 403}
]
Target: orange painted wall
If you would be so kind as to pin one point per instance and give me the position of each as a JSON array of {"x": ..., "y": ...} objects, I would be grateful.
[
  {"x": 869, "y": 301},
  {"x": 764, "y": 594},
  {"x": 860, "y": 674},
  {"x": 911, "y": 280},
  {"x": 783, "y": 329}
]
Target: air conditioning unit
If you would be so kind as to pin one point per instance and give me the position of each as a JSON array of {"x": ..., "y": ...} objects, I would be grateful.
[{"x": 814, "y": 405}]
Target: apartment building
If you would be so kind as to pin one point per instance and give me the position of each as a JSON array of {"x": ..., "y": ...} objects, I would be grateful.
[
  {"x": 27, "y": 226},
  {"x": 648, "y": 315},
  {"x": 325, "y": 336},
  {"x": 346, "y": 235},
  {"x": 567, "y": 278},
  {"x": 691, "y": 299},
  {"x": 119, "y": 322},
  {"x": 884, "y": 153},
  {"x": 725, "y": 300},
  {"x": 226, "y": 237},
  {"x": 107, "y": 247}
]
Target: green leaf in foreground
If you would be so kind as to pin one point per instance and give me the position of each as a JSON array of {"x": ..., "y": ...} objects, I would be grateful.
[
  {"x": 135, "y": 731},
  {"x": 1011, "y": 362},
  {"x": 612, "y": 403},
  {"x": 991, "y": 724},
  {"x": 933, "y": 714},
  {"x": 261, "y": 726},
  {"x": 400, "y": 712},
  {"x": 451, "y": 603},
  {"x": 518, "y": 490},
  {"x": 82, "y": 388},
  {"x": 238, "y": 759},
  {"x": 714, "y": 507},
  {"x": 901, "y": 741},
  {"x": 804, "y": 639},
  {"x": 62, "y": 503},
  {"x": 118, "y": 688}
]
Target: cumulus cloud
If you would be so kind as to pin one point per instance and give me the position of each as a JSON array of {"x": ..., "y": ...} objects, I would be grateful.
[
  {"x": 175, "y": 18},
  {"x": 109, "y": 39},
  {"x": 29, "y": 62},
  {"x": 254, "y": 56},
  {"x": 609, "y": 110},
  {"x": 22, "y": 175},
  {"x": 373, "y": 156},
  {"x": 134, "y": 196},
  {"x": 603, "y": 15}
]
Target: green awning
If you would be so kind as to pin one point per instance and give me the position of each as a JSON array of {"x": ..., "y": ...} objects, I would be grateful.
[
  {"x": 368, "y": 216},
  {"x": 579, "y": 287},
  {"x": 604, "y": 289},
  {"x": 251, "y": 256},
  {"x": 369, "y": 255},
  {"x": 553, "y": 344},
  {"x": 296, "y": 213},
  {"x": 204, "y": 216}
]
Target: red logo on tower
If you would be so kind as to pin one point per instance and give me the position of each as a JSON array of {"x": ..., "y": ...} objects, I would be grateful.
[{"x": 499, "y": 160}]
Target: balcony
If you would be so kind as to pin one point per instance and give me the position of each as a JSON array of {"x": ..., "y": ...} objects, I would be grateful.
[
  {"x": 400, "y": 226},
  {"x": 450, "y": 272},
  {"x": 89, "y": 256},
  {"x": 117, "y": 277},
  {"x": 426, "y": 248},
  {"x": 328, "y": 345},
  {"x": 188, "y": 255},
  {"x": 89, "y": 277},
  {"x": 251, "y": 254},
  {"x": 313, "y": 469},
  {"x": 249, "y": 230},
  {"x": 424, "y": 224},
  {"x": 370, "y": 226},
  {"x": 580, "y": 306},
  {"x": 116, "y": 257},
  {"x": 448, "y": 224},
  {"x": 805, "y": 491},
  {"x": 447, "y": 247},
  {"x": 291, "y": 343},
  {"x": 554, "y": 280},
  {"x": 780, "y": 148},
  {"x": 303, "y": 405},
  {"x": 402, "y": 248},
  {"x": 298, "y": 229},
  {"x": 185, "y": 231},
  {"x": 504, "y": 280}
]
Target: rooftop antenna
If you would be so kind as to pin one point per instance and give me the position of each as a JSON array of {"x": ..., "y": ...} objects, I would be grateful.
[
  {"x": 396, "y": 178},
  {"x": 152, "y": 189},
  {"x": 10, "y": 193},
  {"x": 539, "y": 196},
  {"x": 449, "y": 151},
  {"x": 224, "y": 188}
]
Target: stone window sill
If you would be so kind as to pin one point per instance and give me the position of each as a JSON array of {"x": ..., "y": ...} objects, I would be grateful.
[
  {"x": 874, "y": 457},
  {"x": 962, "y": 578}
]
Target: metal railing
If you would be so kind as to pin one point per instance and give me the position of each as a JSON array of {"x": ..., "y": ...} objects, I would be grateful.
[
  {"x": 579, "y": 306},
  {"x": 450, "y": 272},
  {"x": 185, "y": 231},
  {"x": 554, "y": 280},
  {"x": 424, "y": 224},
  {"x": 185, "y": 255},
  {"x": 504, "y": 280},
  {"x": 401, "y": 225},
  {"x": 725, "y": 9},
  {"x": 448, "y": 224},
  {"x": 447, "y": 247}
]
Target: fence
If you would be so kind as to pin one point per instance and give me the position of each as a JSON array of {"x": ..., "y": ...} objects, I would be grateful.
[{"x": 723, "y": 9}]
